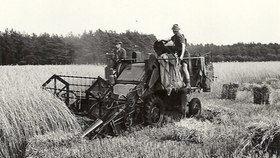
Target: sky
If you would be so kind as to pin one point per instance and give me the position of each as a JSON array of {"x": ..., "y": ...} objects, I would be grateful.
[{"x": 201, "y": 21}]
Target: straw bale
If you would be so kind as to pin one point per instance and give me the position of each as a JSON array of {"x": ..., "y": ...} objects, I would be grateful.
[
  {"x": 261, "y": 94},
  {"x": 229, "y": 91},
  {"x": 225, "y": 91}
]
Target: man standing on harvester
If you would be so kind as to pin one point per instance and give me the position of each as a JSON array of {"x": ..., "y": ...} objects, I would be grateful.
[
  {"x": 120, "y": 53},
  {"x": 179, "y": 51},
  {"x": 114, "y": 60}
]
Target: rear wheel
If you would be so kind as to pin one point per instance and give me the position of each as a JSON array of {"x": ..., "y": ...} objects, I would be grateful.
[
  {"x": 154, "y": 111},
  {"x": 195, "y": 107}
]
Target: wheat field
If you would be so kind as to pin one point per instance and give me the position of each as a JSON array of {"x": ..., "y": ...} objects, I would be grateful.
[
  {"x": 36, "y": 124},
  {"x": 26, "y": 110}
]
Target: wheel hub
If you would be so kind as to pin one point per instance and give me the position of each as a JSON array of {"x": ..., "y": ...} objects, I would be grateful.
[
  {"x": 155, "y": 114},
  {"x": 196, "y": 109}
]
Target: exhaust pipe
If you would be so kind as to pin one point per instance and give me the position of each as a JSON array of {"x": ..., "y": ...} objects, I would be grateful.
[{"x": 92, "y": 127}]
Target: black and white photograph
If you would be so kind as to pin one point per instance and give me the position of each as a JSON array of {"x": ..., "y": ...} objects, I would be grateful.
[{"x": 139, "y": 79}]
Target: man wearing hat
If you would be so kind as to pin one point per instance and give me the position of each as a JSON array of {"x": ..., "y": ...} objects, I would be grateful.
[
  {"x": 179, "y": 48},
  {"x": 120, "y": 53}
]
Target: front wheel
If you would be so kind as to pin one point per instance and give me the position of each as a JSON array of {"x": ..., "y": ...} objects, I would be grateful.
[
  {"x": 154, "y": 111},
  {"x": 195, "y": 107}
]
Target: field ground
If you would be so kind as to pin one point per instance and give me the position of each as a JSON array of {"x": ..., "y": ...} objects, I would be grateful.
[{"x": 226, "y": 128}]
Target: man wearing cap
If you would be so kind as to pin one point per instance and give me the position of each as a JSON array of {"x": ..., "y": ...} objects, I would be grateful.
[
  {"x": 179, "y": 48},
  {"x": 120, "y": 53},
  {"x": 179, "y": 42}
]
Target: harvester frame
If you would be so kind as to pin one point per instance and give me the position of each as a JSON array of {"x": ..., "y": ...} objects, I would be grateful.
[{"x": 144, "y": 102}]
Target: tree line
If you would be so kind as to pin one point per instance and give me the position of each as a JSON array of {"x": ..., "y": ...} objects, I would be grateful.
[
  {"x": 87, "y": 48},
  {"x": 238, "y": 52},
  {"x": 91, "y": 47}
]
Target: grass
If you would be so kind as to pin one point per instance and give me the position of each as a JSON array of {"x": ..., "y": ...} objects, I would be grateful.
[{"x": 225, "y": 129}]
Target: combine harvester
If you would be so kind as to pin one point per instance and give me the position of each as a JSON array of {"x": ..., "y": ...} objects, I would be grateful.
[{"x": 132, "y": 94}]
